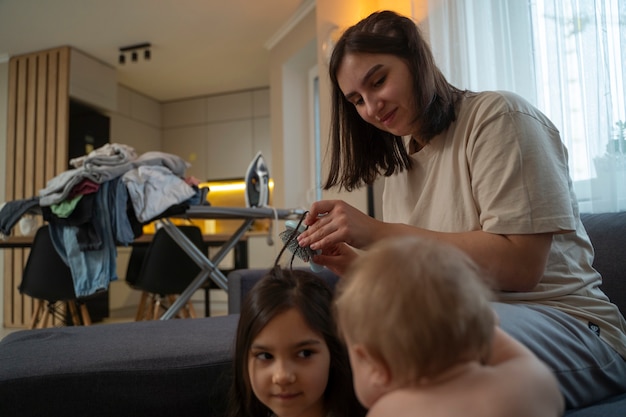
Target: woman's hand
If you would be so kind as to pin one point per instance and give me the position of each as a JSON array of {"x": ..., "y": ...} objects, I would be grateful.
[
  {"x": 334, "y": 221},
  {"x": 337, "y": 259}
]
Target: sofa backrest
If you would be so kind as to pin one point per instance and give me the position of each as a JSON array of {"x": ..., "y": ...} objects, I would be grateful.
[
  {"x": 607, "y": 232},
  {"x": 240, "y": 281}
]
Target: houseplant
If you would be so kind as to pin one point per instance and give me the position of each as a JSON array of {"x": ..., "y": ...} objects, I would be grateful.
[
  {"x": 610, "y": 193},
  {"x": 617, "y": 146}
]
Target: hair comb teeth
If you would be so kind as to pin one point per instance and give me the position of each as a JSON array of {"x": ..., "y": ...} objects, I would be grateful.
[{"x": 289, "y": 236}]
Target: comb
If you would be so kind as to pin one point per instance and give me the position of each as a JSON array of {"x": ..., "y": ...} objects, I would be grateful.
[{"x": 289, "y": 236}]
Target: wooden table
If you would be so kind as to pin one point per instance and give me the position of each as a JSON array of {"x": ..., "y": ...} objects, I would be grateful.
[{"x": 100, "y": 304}]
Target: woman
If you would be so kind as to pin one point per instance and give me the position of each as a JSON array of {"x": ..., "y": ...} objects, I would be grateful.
[{"x": 486, "y": 172}]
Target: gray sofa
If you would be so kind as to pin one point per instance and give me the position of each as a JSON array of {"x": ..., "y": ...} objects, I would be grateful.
[{"x": 182, "y": 367}]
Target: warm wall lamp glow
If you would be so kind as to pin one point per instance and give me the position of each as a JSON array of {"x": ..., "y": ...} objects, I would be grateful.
[
  {"x": 224, "y": 186},
  {"x": 134, "y": 52}
]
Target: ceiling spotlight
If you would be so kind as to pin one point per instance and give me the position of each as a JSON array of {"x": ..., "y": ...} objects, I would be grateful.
[{"x": 134, "y": 50}]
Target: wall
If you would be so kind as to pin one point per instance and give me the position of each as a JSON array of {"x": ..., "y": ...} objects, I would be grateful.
[
  {"x": 4, "y": 80},
  {"x": 290, "y": 60},
  {"x": 136, "y": 121}
]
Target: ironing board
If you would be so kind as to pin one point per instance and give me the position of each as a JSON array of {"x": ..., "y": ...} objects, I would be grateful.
[{"x": 208, "y": 266}]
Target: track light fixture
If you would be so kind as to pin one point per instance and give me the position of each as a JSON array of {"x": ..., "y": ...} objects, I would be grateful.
[{"x": 134, "y": 52}]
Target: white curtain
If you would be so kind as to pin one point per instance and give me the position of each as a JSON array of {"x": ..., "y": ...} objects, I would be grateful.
[{"x": 568, "y": 57}]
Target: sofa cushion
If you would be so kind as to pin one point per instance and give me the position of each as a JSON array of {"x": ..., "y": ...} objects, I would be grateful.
[
  {"x": 156, "y": 368},
  {"x": 613, "y": 407}
]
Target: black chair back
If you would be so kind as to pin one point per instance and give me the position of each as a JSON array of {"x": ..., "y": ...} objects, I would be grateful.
[
  {"x": 46, "y": 276},
  {"x": 166, "y": 268}
]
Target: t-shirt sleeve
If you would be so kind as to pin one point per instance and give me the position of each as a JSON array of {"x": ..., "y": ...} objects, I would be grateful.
[{"x": 520, "y": 176}]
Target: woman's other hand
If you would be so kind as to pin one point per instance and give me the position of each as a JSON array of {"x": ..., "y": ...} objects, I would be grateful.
[{"x": 337, "y": 258}]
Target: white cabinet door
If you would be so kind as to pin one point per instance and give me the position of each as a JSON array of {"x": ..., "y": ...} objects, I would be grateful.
[
  {"x": 229, "y": 149},
  {"x": 190, "y": 144}
]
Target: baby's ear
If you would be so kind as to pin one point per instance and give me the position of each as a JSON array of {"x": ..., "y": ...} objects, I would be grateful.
[{"x": 377, "y": 369}]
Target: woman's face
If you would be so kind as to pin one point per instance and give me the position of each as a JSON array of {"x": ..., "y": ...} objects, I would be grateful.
[
  {"x": 289, "y": 364},
  {"x": 380, "y": 86}
]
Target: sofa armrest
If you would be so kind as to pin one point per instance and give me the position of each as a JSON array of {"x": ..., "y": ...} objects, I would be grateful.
[
  {"x": 240, "y": 281},
  {"x": 607, "y": 232},
  {"x": 155, "y": 368}
]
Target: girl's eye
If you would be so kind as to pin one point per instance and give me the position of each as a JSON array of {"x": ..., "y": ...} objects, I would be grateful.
[
  {"x": 380, "y": 81},
  {"x": 306, "y": 353},
  {"x": 264, "y": 356}
]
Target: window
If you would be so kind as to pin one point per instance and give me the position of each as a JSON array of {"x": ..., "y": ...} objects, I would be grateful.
[
  {"x": 566, "y": 57},
  {"x": 315, "y": 192}
]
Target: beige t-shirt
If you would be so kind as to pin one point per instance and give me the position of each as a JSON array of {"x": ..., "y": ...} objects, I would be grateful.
[{"x": 501, "y": 167}]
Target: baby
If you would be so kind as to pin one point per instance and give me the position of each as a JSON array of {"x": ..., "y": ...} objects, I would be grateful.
[{"x": 423, "y": 339}]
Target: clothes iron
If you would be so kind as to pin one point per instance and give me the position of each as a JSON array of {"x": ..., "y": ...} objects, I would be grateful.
[{"x": 257, "y": 182}]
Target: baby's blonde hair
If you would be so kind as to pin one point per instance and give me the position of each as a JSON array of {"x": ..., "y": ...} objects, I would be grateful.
[{"x": 418, "y": 305}]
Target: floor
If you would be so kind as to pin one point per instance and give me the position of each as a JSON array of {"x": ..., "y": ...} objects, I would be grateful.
[{"x": 219, "y": 307}]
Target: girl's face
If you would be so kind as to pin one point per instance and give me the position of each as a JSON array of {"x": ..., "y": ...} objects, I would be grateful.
[
  {"x": 288, "y": 364},
  {"x": 380, "y": 86}
]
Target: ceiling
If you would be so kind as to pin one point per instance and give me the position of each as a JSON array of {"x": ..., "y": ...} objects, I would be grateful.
[{"x": 199, "y": 47}]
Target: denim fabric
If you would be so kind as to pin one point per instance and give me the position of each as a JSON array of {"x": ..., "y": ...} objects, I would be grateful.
[
  {"x": 587, "y": 368},
  {"x": 118, "y": 200},
  {"x": 93, "y": 270},
  {"x": 86, "y": 234},
  {"x": 12, "y": 211}
]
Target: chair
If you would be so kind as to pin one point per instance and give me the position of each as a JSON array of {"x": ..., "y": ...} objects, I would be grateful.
[
  {"x": 162, "y": 271},
  {"x": 137, "y": 256},
  {"x": 48, "y": 280}
]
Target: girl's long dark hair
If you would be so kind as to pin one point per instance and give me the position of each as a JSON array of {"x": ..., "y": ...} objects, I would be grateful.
[
  {"x": 279, "y": 290},
  {"x": 359, "y": 151}
]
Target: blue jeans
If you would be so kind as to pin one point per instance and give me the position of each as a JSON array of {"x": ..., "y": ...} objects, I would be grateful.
[
  {"x": 92, "y": 270},
  {"x": 587, "y": 368}
]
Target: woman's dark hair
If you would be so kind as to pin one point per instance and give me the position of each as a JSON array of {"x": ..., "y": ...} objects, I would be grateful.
[
  {"x": 360, "y": 151},
  {"x": 280, "y": 290}
]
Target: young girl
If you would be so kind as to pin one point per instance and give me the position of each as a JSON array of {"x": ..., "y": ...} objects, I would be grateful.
[{"x": 288, "y": 359}]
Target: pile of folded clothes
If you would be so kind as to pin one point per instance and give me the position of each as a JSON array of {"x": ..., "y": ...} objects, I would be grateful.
[{"x": 103, "y": 202}]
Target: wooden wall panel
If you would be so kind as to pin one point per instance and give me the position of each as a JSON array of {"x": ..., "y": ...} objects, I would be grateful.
[{"x": 37, "y": 149}]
